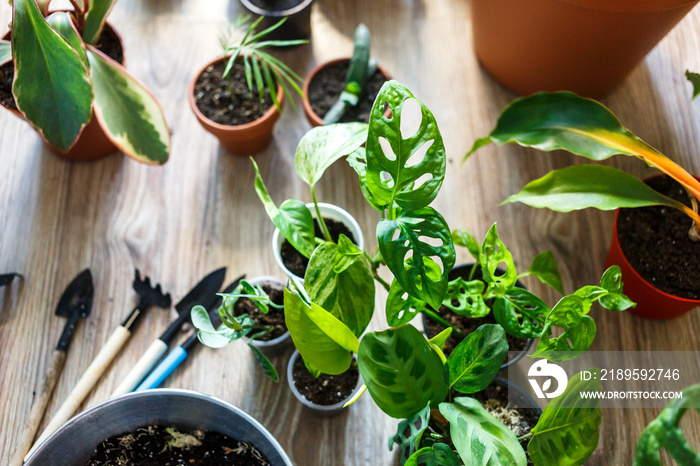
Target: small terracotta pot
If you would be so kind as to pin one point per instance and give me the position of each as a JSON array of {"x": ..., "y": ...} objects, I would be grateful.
[
  {"x": 652, "y": 303},
  {"x": 585, "y": 46},
  {"x": 314, "y": 119},
  {"x": 247, "y": 139},
  {"x": 93, "y": 143},
  {"x": 297, "y": 26}
]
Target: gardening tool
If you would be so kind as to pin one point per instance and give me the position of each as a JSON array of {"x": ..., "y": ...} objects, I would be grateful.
[
  {"x": 148, "y": 296},
  {"x": 176, "y": 356},
  {"x": 205, "y": 289},
  {"x": 7, "y": 278},
  {"x": 75, "y": 304}
]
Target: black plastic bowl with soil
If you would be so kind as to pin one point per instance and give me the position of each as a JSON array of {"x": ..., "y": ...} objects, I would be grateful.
[
  {"x": 327, "y": 389},
  {"x": 655, "y": 242},
  {"x": 467, "y": 325},
  {"x": 296, "y": 262},
  {"x": 109, "y": 44},
  {"x": 276, "y": 5},
  {"x": 329, "y": 82},
  {"x": 162, "y": 445},
  {"x": 228, "y": 101},
  {"x": 274, "y": 317}
]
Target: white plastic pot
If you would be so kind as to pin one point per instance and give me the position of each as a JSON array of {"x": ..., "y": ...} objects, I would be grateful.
[{"x": 282, "y": 342}]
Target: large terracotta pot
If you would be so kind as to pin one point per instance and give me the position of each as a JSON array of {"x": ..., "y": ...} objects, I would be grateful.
[
  {"x": 247, "y": 139},
  {"x": 585, "y": 46},
  {"x": 297, "y": 26},
  {"x": 93, "y": 143}
]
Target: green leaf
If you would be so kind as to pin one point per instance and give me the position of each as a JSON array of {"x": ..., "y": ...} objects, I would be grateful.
[
  {"x": 417, "y": 265},
  {"x": 293, "y": 218},
  {"x": 615, "y": 299},
  {"x": 462, "y": 238},
  {"x": 264, "y": 363},
  {"x": 694, "y": 79},
  {"x": 217, "y": 340},
  {"x": 347, "y": 294},
  {"x": 401, "y": 307},
  {"x": 127, "y": 112},
  {"x": 439, "y": 454},
  {"x": 577, "y": 337},
  {"x": 358, "y": 162},
  {"x": 665, "y": 432},
  {"x": 494, "y": 254},
  {"x": 401, "y": 371},
  {"x": 480, "y": 438},
  {"x": 95, "y": 20},
  {"x": 395, "y": 171},
  {"x": 51, "y": 85},
  {"x": 322, "y": 146},
  {"x": 582, "y": 186},
  {"x": 63, "y": 24},
  {"x": 476, "y": 360},
  {"x": 545, "y": 268},
  {"x": 200, "y": 319},
  {"x": 567, "y": 436},
  {"x": 322, "y": 340},
  {"x": 409, "y": 432},
  {"x": 440, "y": 339},
  {"x": 5, "y": 51},
  {"x": 521, "y": 313},
  {"x": 469, "y": 298}
]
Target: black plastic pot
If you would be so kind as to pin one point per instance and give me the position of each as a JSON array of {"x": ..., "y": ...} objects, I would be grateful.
[
  {"x": 297, "y": 26},
  {"x": 463, "y": 271}
]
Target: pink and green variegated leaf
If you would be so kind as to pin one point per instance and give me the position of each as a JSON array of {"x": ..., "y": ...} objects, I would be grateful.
[
  {"x": 57, "y": 104},
  {"x": 62, "y": 23},
  {"x": 127, "y": 112},
  {"x": 95, "y": 19}
]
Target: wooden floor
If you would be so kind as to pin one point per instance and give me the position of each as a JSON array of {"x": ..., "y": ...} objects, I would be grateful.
[{"x": 200, "y": 211}]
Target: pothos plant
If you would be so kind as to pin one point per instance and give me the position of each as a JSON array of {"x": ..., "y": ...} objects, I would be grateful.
[
  {"x": 563, "y": 120},
  {"x": 235, "y": 327},
  {"x": 61, "y": 80}
]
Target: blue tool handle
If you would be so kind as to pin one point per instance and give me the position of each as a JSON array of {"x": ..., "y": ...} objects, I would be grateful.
[{"x": 164, "y": 369}]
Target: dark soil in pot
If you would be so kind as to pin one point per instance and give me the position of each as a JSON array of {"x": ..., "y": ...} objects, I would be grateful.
[
  {"x": 228, "y": 101},
  {"x": 276, "y": 5},
  {"x": 329, "y": 82},
  {"x": 161, "y": 445},
  {"x": 109, "y": 44},
  {"x": 274, "y": 317},
  {"x": 297, "y": 263},
  {"x": 656, "y": 244},
  {"x": 326, "y": 389}
]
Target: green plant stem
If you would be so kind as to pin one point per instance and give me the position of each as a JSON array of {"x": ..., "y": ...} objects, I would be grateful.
[
  {"x": 436, "y": 318},
  {"x": 381, "y": 280},
  {"x": 525, "y": 437},
  {"x": 320, "y": 219},
  {"x": 473, "y": 271}
]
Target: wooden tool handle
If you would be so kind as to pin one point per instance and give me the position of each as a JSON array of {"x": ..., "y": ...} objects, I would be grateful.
[
  {"x": 142, "y": 367},
  {"x": 53, "y": 372},
  {"x": 85, "y": 384}
]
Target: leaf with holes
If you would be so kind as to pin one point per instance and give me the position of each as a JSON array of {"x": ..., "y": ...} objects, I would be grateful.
[
  {"x": 322, "y": 146},
  {"x": 323, "y": 341},
  {"x": 406, "y": 244},
  {"x": 494, "y": 254},
  {"x": 468, "y": 296},
  {"x": 51, "y": 86},
  {"x": 521, "y": 313},
  {"x": 409, "y": 432},
  {"x": 346, "y": 292},
  {"x": 401, "y": 307},
  {"x": 401, "y": 371},
  {"x": 406, "y": 169},
  {"x": 666, "y": 432},
  {"x": 480, "y": 438},
  {"x": 95, "y": 19},
  {"x": 462, "y": 238},
  {"x": 615, "y": 299},
  {"x": 545, "y": 268},
  {"x": 439, "y": 454},
  {"x": 476, "y": 360},
  {"x": 567, "y": 436},
  {"x": 578, "y": 335}
]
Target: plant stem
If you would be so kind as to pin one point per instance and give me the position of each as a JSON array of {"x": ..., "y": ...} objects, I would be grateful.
[
  {"x": 524, "y": 437},
  {"x": 472, "y": 271},
  {"x": 381, "y": 280},
  {"x": 320, "y": 219},
  {"x": 694, "y": 232},
  {"x": 434, "y": 317}
]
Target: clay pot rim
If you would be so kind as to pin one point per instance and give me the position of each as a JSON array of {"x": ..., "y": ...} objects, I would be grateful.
[
  {"x": 313, "y": 118},
  {"x": 211, "y": 123},
  {"x": 276, "y": 13},
  {"x": 616, "y": 243},
  {"x": 628, "y": 6},
  {"x": 281, "y": 341}
]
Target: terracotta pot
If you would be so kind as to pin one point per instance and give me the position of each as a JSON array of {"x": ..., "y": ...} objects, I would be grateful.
[
  {"x": 297, "y": 26},
  {"x": 93, "y": 143},
  {"x": 652, "y": 303},
  {"x": 585, "y": 46},
  {"x": 314, "y": 119},
  {"x": 247, "y": 139}
]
